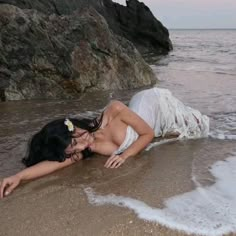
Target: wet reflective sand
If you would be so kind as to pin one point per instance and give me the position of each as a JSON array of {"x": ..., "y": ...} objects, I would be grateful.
[{"x": 58, "y": 204}]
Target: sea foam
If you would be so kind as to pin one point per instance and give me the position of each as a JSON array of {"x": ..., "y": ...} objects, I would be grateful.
[
  {"x": 209, "y": 210},
  {"x": 222, "y": 136}
]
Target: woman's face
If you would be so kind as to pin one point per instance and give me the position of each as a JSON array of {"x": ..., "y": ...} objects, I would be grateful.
[{"x": 81, "y": 140}]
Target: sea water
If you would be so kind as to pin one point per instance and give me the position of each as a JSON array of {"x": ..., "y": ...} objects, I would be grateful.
[{"x": 201, "y": 71}]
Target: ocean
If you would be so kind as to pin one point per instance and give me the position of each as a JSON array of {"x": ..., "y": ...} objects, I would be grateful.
[{"x": 201, "y": 72}]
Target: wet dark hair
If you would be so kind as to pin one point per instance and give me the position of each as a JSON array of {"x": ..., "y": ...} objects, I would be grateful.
[{"x": 52, "y": 140}]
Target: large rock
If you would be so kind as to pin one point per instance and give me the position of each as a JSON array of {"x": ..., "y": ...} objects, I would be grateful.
[
  {"x": 52, "y": 56},
  {"x": 137, "y": 23},
  {"x": 134, "y": 22}
]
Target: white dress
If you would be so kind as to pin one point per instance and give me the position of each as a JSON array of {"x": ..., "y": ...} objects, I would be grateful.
[{"x": 165, "y": 114}]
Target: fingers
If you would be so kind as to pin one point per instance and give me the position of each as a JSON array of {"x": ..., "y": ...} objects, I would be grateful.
[
  {"x": 3, "y": 184},
  {"x": 10, "y": 189},
  {"x": 7, "y": 186},
  {"x": 77, "y": 156},
  {"x": 109, "y": 161},
  {"x": 114, "y": 161},
  {"x": 4, "y": 188}
]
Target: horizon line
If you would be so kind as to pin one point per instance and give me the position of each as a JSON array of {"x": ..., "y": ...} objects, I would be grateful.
[{"x": 200, "y": 28}]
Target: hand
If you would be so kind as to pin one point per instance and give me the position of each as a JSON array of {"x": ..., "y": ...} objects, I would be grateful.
[
  {"x": 77, "y": 156},
  {"x": 114, "y": 161},
  {"x": 8, "y": 185}
]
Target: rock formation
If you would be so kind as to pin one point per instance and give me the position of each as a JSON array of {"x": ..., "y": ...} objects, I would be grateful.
[
  {"x": 137, "y": 23},
  {"x": 59, "y": 56},
  {"x": 134, "y": 22},
  {"x": 60, "y": 48}
]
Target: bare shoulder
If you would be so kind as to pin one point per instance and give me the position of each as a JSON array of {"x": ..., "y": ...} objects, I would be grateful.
[{"x": 115, "y": 107}]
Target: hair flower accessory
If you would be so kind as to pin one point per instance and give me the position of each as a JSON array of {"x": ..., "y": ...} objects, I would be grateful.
[{"x": 69, "y": 124}]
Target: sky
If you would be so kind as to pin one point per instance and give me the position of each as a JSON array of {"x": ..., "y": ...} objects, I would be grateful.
[{"x": 192, "y": 14}]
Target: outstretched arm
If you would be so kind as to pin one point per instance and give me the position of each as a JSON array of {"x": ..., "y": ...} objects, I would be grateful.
[
  {"x": 41, "y": 169},
  {"x": 145, "y": 132}
]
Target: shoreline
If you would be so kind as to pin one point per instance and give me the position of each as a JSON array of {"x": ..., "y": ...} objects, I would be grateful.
[{"x": 58, "y": 205}]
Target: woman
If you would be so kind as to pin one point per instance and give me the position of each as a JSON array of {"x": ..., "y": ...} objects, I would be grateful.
[{"x": 120, "y": 133}]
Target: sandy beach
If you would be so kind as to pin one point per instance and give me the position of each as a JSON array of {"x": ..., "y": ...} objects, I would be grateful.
[
  {"x": 178, "y": 184},
  {"x": 57, "y": 204}
]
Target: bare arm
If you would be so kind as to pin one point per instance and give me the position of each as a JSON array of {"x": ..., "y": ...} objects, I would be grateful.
[
  {"x": 41, "y": 169},
  {"x": 145, "y": 132}
]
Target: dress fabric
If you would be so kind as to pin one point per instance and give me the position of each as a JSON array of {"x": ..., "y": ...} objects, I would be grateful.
[{"x": 165, "y": 114}]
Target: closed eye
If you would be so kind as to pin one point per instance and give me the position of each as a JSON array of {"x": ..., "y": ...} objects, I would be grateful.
[
  {"x": 79, "y": 135},
  {"x": 83, "y": 133}
]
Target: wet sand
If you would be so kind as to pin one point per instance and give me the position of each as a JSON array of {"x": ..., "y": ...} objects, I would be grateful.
[
  {"x": 201, "y": 75},
  {"x": 58, "y": 205}
]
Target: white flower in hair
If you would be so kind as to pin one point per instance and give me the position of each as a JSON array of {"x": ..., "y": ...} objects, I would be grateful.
[{"x": 69, "y": 124}]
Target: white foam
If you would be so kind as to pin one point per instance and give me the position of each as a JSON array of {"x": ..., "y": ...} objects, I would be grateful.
[
  {"x": 164, "y": 141},
  {"x": 207, "y": 210},
  {"x": 222, "y": 136},
  {"x": 158, "y": 143},
  {"x": 223, "y": 127}
]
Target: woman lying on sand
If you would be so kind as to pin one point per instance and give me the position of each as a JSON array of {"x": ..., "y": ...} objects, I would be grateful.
[{"x": 120, "y": 132}]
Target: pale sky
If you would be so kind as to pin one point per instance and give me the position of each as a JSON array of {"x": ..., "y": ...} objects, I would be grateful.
[{"x": 193, "y": 13}]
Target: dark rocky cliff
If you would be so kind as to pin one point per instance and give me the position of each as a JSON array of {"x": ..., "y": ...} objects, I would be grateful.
[
  {"x": 57, "y": 49},
  {"x": 134, "y": 22}
]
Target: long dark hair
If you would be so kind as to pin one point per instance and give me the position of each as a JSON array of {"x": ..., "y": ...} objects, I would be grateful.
[{"x": 52, "y": 140}]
